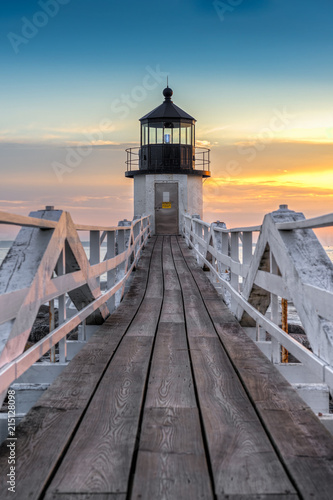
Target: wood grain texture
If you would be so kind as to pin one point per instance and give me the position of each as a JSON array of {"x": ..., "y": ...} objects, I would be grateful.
[
  {"x": 219, "y": 312},
  {"x": 146, "y": 319},
  {"x": 99, "y": 458},
  {"x": 100, "y": 455},
  {"x": 88, "y": 496},
  {"x": 172, "y": 310},
  {"x": 171, "y": 460},
  {"x": 171, "y": 430},
  {"x": 96, "y": 442},
  {"x": 303, "y": 443},
  {"x": 41, "y": 438},
  {"x": 170, "y": 476},
  {"x": 170, "y": 382},
  {"x": 242, "y": 457},
  {"x": 284, "y": 496},
  {"x": 45, "y": 431}
]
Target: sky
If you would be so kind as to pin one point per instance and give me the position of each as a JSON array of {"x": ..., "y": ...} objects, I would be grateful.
[{"x": 76, "y": 75}]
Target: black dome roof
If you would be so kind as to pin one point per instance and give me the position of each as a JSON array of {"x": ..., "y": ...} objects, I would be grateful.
[{"x": 167, "y": 109}]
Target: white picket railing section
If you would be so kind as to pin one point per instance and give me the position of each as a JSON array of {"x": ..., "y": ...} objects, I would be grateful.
[
  {"x": 47, "y": 262},
  {"x": 289, "y": 262}
]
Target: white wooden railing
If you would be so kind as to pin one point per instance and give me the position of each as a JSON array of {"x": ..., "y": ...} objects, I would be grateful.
[
  {"x": 287, "y": 262},
  {"x": 47, "y": 263}
]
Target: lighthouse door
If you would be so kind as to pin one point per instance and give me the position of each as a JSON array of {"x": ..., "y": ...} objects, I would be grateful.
[{"x": 166, "y": 208}]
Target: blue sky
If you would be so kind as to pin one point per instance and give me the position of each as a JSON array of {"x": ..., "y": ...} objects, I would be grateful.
[{"x": 231, "y": 64}]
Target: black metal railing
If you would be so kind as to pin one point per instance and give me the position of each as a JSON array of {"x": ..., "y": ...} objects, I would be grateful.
[{"x": 201, "y": 161}]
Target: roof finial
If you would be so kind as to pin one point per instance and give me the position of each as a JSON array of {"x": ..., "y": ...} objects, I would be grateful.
[{"x": 167, "y": 92}]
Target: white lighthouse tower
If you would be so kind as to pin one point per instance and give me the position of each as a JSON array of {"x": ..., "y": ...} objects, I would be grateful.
[{"x": 167, "y": 168}]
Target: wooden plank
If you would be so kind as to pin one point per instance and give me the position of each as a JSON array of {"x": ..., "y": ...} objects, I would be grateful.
[
  {"x": 172, "y": 310},
  {"x": 34, "y": 462},
  {"x": 44, "y": 433},
  {"x": 303, "y": 443},
  {"x": 243, "y": 459},
  {"x": 88, "y": 496},
  {"x": 170, "y": 382},
  {"x": 145, "y": 321},
  {"x": 219, "y": 312},
  {"x": 170, "y": 476},
  {"x": 155, "y": 283},
  {"x": 197, "y": 319},
  {"x": 283, "y": 496},
  {"x": 171, "y": 430},
  {"x": 171, "y": 461},
  {"x": 171, "y": 280},
  {"x": 207, "y": 289},
  {"x": 100, "y": 456}
]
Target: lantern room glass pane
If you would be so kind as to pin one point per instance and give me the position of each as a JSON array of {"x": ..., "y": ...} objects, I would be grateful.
[
  {"x": 152, "y": 135},
  {"x": 168, "y": 136},
  {"x": 189, "y": 135},
  {"x": 176, "y": 134},
  {"x": 145, "y": 134},
  {"x": 183, "y": 135},
  {"x": 159, "y": 133}
]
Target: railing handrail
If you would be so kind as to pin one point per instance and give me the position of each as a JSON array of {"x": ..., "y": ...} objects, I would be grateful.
[
  {"x": 16, "y": 302},
  {"x": 249, "y": 229},
  {"x": 25, "y": 221},
  {"x": 313, "y": 223},
  {"x": 198, "y": 150},
  {"x": 218, "y": 249},
  {"x": 321, "y": 221}
]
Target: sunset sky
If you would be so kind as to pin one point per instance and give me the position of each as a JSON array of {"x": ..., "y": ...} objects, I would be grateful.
[{"x": 76, "y": 75}]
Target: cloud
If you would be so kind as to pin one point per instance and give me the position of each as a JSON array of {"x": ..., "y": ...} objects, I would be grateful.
[{"x": 202, "y": 144}]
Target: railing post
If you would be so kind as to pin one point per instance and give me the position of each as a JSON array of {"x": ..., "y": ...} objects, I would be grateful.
[
  {"x": 188, "y": 225},
  {"x": 60, "y": 270},
  {"x": 111, "y": 275},
  {"x": 51, "y": 328},
  {"x": 225, "y": 244},
  {"x": 197, "y": 232},
  {"x": 234, "y": 254},
  {"x": 95, "y": 250},
  {"x": 122, "y": 241},
  {"x": 206, "y": 238},
  {"x": 218, "y": 238},
  {"x": 284, "y": 307},
  {"x": 260, "y": 333},
  {"x": 247, "y": 247},
  {"x": 276, "y": 346}
]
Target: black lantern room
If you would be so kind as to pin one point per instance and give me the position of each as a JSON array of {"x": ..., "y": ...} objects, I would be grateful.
[{"x": 168, "y": 143}]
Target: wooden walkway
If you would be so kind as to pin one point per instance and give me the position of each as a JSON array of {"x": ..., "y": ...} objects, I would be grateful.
[{"x": 170, "y": 400}]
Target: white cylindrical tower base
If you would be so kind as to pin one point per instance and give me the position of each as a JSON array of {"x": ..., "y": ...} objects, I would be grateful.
[{"x": 190, "y": 197}]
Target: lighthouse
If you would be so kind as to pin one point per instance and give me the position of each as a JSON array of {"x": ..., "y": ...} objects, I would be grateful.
[{"x": 167, "y": 168}]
